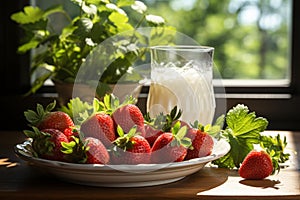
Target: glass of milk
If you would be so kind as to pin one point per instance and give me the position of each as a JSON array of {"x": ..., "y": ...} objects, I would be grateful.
[{"x": 182, "y": 76}]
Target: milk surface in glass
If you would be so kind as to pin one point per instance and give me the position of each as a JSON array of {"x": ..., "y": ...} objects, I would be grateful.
[{"x": 188, "y": 85}]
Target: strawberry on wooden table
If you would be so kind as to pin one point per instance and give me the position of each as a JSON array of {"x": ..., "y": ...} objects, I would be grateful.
[
  {"x": 130, "y": 148},
  {"x": 243, "y": 131},
  {"x": 256, "y": 165},
  {"x": 171, "y": 146},
  {"x": 202, "y": 144},
  {"x": 48, "y": 119}
]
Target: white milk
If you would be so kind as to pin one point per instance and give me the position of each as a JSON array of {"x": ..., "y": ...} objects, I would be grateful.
[{"x": 190, "y": 90}]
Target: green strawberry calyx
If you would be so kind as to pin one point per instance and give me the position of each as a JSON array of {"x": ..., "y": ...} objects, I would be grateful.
[
  {"x": 124, "y": 140},
  {"x": 75, "y": 150},
  {"x": 80, "y": 110},
  {"x": 111, "y": 103},
  {"x": 41, "y": 144},
  {"x": 179, "y": 136},
  {"x": 35, "y": 117},
  {"x": 163, "y": 121}
]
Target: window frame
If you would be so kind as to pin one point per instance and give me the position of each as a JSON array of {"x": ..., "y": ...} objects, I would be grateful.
[
  {"x": 281, "y": 103},
  {"x": 277, "y": 103}
]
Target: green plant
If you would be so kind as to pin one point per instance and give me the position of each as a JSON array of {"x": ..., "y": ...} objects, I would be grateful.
[{"x": 60, "y": 54}]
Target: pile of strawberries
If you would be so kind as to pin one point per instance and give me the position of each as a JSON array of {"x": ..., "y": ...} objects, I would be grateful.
[{"x": 114, "y": 133}]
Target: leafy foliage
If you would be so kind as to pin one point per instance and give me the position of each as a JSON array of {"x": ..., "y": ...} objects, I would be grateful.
[
  {"x": 246, "y": 48},
  {"x": 77, "y": 110},
  {"x": 243, "y": 131},
  {"x": 80, "y": 110},
  {"x": 60, "y": 53}
]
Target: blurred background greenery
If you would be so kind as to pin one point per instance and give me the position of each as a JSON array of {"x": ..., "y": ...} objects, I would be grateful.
[{"x": 251, "y": 37}]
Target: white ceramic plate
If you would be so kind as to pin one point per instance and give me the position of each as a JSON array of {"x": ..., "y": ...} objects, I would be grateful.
[{"x": 121, "y": 175}]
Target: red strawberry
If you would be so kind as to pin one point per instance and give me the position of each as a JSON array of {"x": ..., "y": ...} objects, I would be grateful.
[
  {"x": 57, "y": 137},
  {"x": 96, "y": 152},
  {"x": 47, "y": 143},
  {"x": 171, "y": 146},
  {"x": 202, "y": 144},
  {"x": 161, "y": 123},
  {"x": 100, "y": 126},
  {"x": 87, "y": 150},
  {"x": 70, "y": 133},
  {"x": 256, "y": 165},
  {"x": 128, "y": 116},
  {"x": 130, "y": 148},
  {"x": 48, "y": 119},
  {"x": 151, "y": 134},
  {"x": 56, "y": 120}
]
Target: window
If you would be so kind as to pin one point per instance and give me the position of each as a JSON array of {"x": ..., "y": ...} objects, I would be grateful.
[
  {"x": 276, "y": 97},
  {"x": 251, "y": 37}
]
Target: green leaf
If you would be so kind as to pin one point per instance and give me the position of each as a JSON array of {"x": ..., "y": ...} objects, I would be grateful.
[
  {"x": 187, "y": 142},
  {"x": 176, "y": 127},
  {"x": 107, "y": 101},
  {"x": 28, "y": 46},
  {"x": 132, "y": 132},
  {"x": 120, "y": 131},
  {"x": 85, "y": 26},
  {"x": 29, "y": 15},
  {"x": 33, "y": 14},
  {"x": 275, "y": 147},
  {"x": 181, "y": 132},
  {"x": 29, "y": 133},
  {"x": 67, "y": 31},
  {"x": 67, "y": 147},
  {"x": 162, "y": 35},
  {"x": 225, "y": 162},
  {"x": 123, "y": 3},
  {"x": 78, "y": 110},
  {"x": 31, "y": 117},
  {"x": 239, "y": 149},
  {"x": 96, "y": 105},
  {"x": 241, "y": 121},
  {"x": 242, "y": 132},
  {"x": 50, "y": 106},
  {"x": 120, "y": 21},
  {"x": 38, "y": 82}
]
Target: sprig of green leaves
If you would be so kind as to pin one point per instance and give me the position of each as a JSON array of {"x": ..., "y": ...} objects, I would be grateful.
[
  {"x": 243, "y": 130},
  {"x": 78, "y": 110}
]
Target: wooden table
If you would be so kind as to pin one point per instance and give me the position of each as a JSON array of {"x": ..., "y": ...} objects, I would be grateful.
[{"x": 18, "y": 180}]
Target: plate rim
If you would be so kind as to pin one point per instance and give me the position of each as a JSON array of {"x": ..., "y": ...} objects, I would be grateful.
[
  {"x": 127, "y": 175},
  {"x": 20, "y": 150}
]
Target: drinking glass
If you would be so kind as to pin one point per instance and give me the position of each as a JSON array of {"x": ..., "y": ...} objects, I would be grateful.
[{"x": 182, "y": 76}]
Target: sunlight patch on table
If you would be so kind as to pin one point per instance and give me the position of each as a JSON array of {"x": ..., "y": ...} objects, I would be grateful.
[
  {"x": 5, "y": 162},
  {"x": 284, "y": 185}
]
